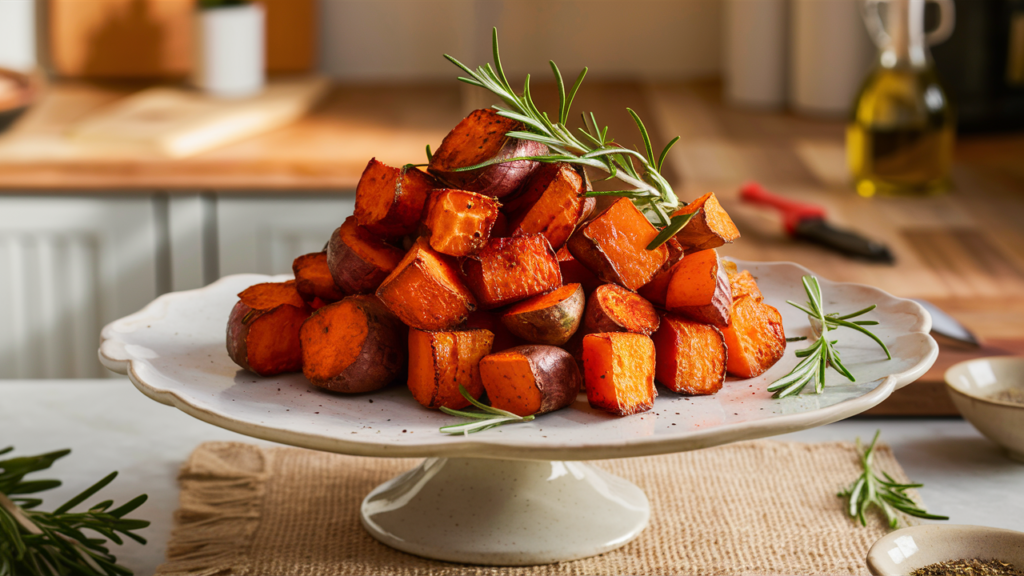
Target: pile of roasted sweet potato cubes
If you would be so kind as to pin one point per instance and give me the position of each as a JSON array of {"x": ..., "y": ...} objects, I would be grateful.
[{"x": 508, "y": 281}]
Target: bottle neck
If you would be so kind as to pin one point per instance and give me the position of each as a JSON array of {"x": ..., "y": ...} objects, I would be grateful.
[{"x": 906, "y": 46}]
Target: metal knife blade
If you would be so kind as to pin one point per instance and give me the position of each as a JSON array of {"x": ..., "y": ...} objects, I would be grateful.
[
  {"x": 845, "y": 241},
  {"x": 945, "y": 325}
]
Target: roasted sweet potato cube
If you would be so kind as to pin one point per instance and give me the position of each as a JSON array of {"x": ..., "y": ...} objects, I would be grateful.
[
  {"x": 550, "y": 318},
  {"x": 755, "y": 338},
  {"x": 313, "y": 279},
  {"x": 270, "y": 295},
  {"x": 690, "y": 356},
  {"x": 508, "y": 270},
  {"x": 552, "y": 204},
  {"x": 575, "y": 273},
  {"x": 358, "y": 259},
  {"x": 425, "y": 291},
  {"x": 612, "y": 308},
  {"x": 709, "y": 228},
  {"x": 491, "y": 321},
  {"x": 479, "y": 138},
  {"x": 460, "y": 222},
  {"x": 744, "y": 285},
  {"x": 266, "y": 341},
  {"x": 440, "y": 362},
  {"x": 699, "y": 288},
  {"x": 614, "y": 243},
  {"x": 530, "y": 379},
  {"x": 389, "y": 201},
  {"x": 354, "y": 345},
  {"x": 618, "y": 369}
]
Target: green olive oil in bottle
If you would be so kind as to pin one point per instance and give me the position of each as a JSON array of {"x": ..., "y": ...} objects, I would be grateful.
[{"x": 901, "y": 134}]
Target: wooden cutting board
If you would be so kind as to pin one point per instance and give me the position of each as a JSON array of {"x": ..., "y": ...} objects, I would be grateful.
[
  {"x": 178, "y": 122},
  {"x": 153, "y": 38}
]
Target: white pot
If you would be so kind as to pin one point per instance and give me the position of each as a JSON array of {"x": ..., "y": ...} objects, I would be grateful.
[
  {"x": 830, "y": 54},
  {"x": 230, "y": 50}
]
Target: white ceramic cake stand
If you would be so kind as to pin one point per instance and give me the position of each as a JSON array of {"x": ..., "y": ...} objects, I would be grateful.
[{"x": 517, "y": 494}]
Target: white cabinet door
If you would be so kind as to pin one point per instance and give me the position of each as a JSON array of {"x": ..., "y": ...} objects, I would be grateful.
[
  {"x": 69, "y": 265},
  {"x": 264, "y": 235}
]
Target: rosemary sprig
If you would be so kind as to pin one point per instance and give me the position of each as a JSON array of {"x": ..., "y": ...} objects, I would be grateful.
[
  {"x": 45, "y": 543},
  {"x": 591, "y": 147},
  {"x": 870, "y": 489},
  {"x": 822, "y": 353},
  {"x": 479, "y": 421}
]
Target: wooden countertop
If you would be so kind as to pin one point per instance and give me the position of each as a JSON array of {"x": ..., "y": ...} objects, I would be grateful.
[{"x": 963, "y": 250}]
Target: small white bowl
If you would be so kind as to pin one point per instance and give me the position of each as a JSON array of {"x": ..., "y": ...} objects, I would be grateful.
[
  {"x": 974, "y": 384},
  {"x": 903, "y": 551}
]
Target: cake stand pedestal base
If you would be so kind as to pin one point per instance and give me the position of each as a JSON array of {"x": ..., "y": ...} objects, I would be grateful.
[{"x": 505, "y": 512}]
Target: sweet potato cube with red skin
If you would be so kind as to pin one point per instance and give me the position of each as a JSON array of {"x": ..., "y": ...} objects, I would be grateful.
[
  {"x": 460, "y": 222},
  {"x": 690, "y": 356},
  {"x": 755, "y": 338},
  {"x": 710, "y": 228},
  {"x": 552, "y": 203},
  {"x": 354, "y": 345},
  {"x": 550, "y": 318},
  {"x": 478, "y": 138},
  {"x": 266, "y": 341},
  {"x": 618, "y": 369},
  {"x": 425, "y": 291},
  {"x": 358, "y": 259},
  {"x": 613, "y": 245},
  {"x": 508, "y": 270},
  {"x": 313, "y": 279},
  {"x": 530, "y": 379},
  {"x": 717, "y": 311},
  {"x": 612, "y": 308},
  {"x": 440, "y": 362},
  {"x": 389, "y": 201}
]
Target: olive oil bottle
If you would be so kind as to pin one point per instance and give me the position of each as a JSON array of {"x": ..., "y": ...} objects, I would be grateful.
[{"x": 902, "y": 130}]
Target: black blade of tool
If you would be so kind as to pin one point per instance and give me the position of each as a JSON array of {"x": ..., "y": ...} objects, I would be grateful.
[{"x": 821, "y": 232}]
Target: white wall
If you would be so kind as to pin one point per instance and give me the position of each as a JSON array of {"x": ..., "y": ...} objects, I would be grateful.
[{"x": 381, "y": 40}]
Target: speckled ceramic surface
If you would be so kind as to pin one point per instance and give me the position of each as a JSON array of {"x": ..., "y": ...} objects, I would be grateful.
[
  {"x": 174, "y": 352},
  {"x": 903, "y": 551},
  {"x": 975, "y": 387}
]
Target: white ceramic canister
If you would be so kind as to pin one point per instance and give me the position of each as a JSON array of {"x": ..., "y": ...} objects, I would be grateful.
[
  {"x": 830, "y": 54},
  {"x": 755, "y": 52},
  {"x": 230, "y": 50},
  {"x": 18, "y": 35}
]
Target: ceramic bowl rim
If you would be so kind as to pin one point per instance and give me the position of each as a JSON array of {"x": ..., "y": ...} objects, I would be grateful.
[
  {"x": 953, "y": 387},
  {"x": 945, "y": 532}
]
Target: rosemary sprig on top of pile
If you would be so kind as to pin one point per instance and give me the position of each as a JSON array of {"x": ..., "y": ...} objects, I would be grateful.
[
  {"x": 591, "y": 147},
  {"x": 59, "y": 542}
]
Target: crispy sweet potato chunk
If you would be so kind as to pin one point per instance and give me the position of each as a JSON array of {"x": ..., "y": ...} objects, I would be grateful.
[
  {"x": 460, "y": 222},
  {"x": 619, "y": 372},
  {"x": 710, "y": 228},
  {"x": 530, "y": 379},
  {"x": 270, "y": 295},
  {"x": 313, "y": 278},
  {"x": 612, "y": 308},
  {"x": 425, "y": 291},
  {"x": 266, "y": 341},
  {"x": 744, "y": 285},
  {"x": 440, "y": 362},
  {"x": 389, "y": 201},
  {"x": 550, "y": 318},
  {"x": 699, "y": 288},
  {"x": 359, "y": 260},
  {"x": 551, "y": 204},
  {"x": 755, "y": 338},
  {"x": 354, "y": 345},
  {"x": 690, "y": 356},
  {"x": 480, "y": 137},
  {"x": 508, "y": 270},
  {"x": 613, "y": 245}
]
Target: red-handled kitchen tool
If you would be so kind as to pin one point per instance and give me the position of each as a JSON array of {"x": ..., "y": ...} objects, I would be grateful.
[{"x": 807, "y": 221}]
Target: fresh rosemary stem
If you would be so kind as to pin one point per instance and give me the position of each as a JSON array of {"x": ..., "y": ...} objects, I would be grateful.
[{"x": 488, "y": 418}]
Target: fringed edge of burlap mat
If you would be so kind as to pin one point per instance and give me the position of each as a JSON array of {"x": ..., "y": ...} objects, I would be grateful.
[{"x": 224, "y": 487}]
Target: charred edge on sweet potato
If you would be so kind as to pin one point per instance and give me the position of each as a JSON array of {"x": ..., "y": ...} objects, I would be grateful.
[{"x": 530, "y": 379}]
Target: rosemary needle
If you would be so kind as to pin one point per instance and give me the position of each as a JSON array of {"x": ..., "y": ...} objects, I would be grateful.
[{"x": 490, "y": 417}]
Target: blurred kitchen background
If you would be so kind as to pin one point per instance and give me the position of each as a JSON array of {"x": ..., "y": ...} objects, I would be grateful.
[{"x": 150, "y": 146}]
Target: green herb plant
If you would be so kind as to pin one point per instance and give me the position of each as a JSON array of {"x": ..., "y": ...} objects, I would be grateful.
[
  {"x": 822, "y": 353},
  {"x": 56, "y": 543},
  {"x": 488, "y": 418},
  {"x": 870, "y": 489},
  {"x": 590, "y": 147}
]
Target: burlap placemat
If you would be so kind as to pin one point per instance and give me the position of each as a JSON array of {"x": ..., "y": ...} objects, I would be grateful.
[{"x": 759, "y": 507}]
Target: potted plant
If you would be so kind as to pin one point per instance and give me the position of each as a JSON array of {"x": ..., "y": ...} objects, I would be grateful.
[{"x": 229, "y": 47}]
